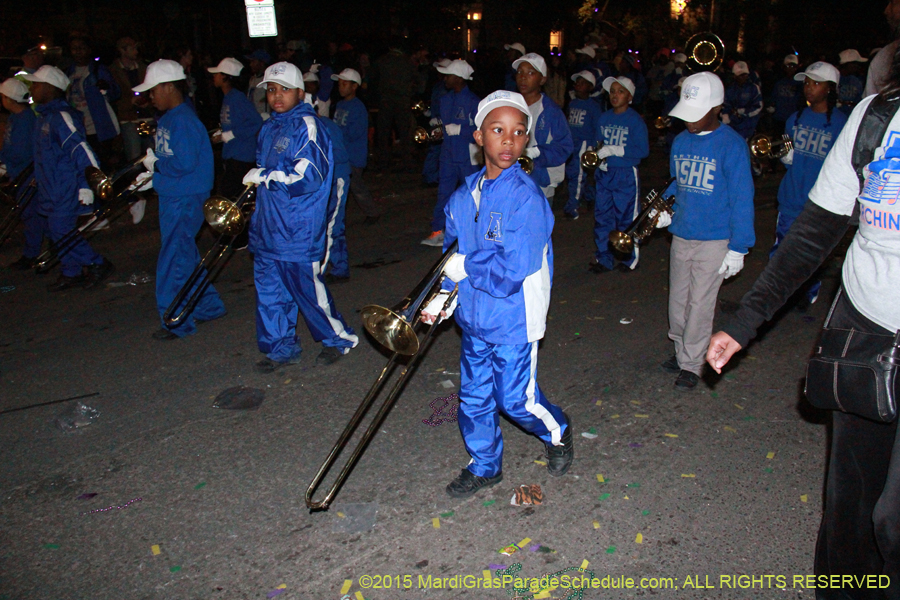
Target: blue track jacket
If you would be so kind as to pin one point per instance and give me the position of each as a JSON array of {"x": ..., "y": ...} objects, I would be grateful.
[
  {"x": 18, "y": 142},
  {"x": 583, "y": 116},
  {"x": 627, "y": 129},
  {"x": 61, "y": 154},
  {"x": 184, "y": 165},
  {"x": 239, "y": 116},
  {"x": 743, "y": 105},
  {"x": 289, "y": 221},
  {"x": 96, "y": 99},
  {"x": 458, "y": 109},
  {"x": 352, "y": 118},
  {"x": 504, "y": 230},
  {"x": 550, "y": 134},
  {"x": 813, "y": 137},
  {"x": 713, "y": 188}
]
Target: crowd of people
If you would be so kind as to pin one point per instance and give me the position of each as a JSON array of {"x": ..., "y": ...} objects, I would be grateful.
[{"x": 297, "y": 131}]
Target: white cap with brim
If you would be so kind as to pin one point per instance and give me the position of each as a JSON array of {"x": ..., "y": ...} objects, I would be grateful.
[
  {"x": 791, "y": 59},
  {"x": 348, "y": 75},
  {"x": 498, "y": 99},
  {"x": 441, "y": 63},
  {"x": 284, "y": 74},
  {"x": 848, "y": 56},
  {"x": 587, "y": 51},
  {"x": 623, "y": 81},
  {"x": 516, "y": 46},
  {"x": 460, "y": 68},
  {"x": 161, "y": 71},
  {"x": 14, "y": 89},
  {"x": 820, "y": 71},
  {"x": 51, "y": 75},
  {"x": 535, "y": 60},
  {"x": 310, "y": 77},
  {"x": 680, "y": 57},
  {"x": 740, "y": 68},
  {"x": 700, "y": 93},
  {"x": 228, "y": 66},
  {"x": 586, "y": 75}
]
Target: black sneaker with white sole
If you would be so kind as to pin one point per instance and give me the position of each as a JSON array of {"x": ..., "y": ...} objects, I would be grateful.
[
  {"x": 559, "y": 458},
  {"x": 466, "y": 484}
]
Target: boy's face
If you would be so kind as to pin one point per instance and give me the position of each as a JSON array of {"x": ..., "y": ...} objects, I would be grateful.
[
  {"x": 218, "y": 79},
  {"x": 619, "y": 96},
  {"x": 454, "y": 82},
  {"x": 312, "y": 87},
  {"x": 815, "y": 91},
  {"x": 741, "y": 79},
  {"x": 709, "y": 122},
  {"x": 347, "y": 88},
  {"x": 283, "y": 99},
  {"x": 8, "y": 102},
  {"x": 165, "y": 96},
  {"x": 42, "y": 93},
  {"x": 503, "y": 135},
  {"x": 80, "y": 51},
  {"x": 528, "y": 79},
  {"x": 583, "y": 88}
]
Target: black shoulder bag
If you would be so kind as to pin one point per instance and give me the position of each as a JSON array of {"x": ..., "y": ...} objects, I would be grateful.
[{"x": 851, "y": 371}]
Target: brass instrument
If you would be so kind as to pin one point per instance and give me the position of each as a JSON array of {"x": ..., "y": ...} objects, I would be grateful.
[
  {"x": 422, "y": 135},
  {"x": 762, "y": 146},
  {"x": 644, "y": 224},
  {"x": 662, "y": 122},
  {"x": 228, "y": 218},
  {"x": 20, "y": 198},
  {"x": 393, "y": 328},
  {"x": 115, "y": 192},
  {"x": 527, "y": 164},
  {"x": 705, "y": 52},
  {"x": 590, "y": 160},
  {"x": 419, "y": 107},
  {"x": 146, "y": 128}
]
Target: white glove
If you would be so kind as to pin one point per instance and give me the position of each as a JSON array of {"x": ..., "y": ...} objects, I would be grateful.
[
  {"x": 452, "y": 128},
  {"x": 253, "y": 177},
  {"x": 665, "y": 219},
  {"x": 86, "y": 196},
  {"x": 434, "y": 122},
  {"x": 770, "y": 109},
  {"x": 741, "y": 111},
  {"x": 216, "y": 136},
  {"x": 607, "y": 151},
  {"x": 2, "y": 169},
  {"x": 455, "y": 269},
  {"x": 732, "y": 265},
  {"x": 726, "y": 119},
  {"x": 603, "y": 166},
  {"x": 532, "y": 152},
  {"x": 226, "y": 136},
  {"x": 788, "y": 159},
  {"x": 142, "y": 182},
  {"x": 149, "y": 160},
  {"x": 433, "y": 310}
]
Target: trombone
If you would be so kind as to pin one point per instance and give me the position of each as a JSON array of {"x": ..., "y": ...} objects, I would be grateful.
[
  {"x": 393, "y": 328},
  {"x": 705, "y": 52},
  {"x": 644, "y": 224},
  {"x": 762, "y": 146},
  {"x": 21, "y": 197},
  {"x": 422, "y": 135},
  {"x": 227, "y": 218}
]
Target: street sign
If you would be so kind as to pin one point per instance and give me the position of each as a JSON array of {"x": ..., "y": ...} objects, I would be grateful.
[{"x": 261, "y": 18}]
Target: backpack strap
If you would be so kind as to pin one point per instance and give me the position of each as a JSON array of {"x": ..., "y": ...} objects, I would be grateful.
[{"x": 871, "y": 131}]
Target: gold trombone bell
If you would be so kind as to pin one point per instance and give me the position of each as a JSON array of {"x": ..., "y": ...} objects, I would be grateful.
[
  {"x": 705, "y": 52},
  {"x": 762, "y": 146}
]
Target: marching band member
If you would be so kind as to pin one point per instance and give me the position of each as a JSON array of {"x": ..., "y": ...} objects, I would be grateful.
[
  {"x": 743, "y": 102},
  {"x": 584, "y": 113},
  {"x": 288, "y": 227}
]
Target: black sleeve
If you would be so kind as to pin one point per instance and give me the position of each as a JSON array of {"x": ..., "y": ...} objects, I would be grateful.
[{"x": 808, "y": 243}]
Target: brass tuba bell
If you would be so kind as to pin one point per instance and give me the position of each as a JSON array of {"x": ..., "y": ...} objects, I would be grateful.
[
  {"x": 762, "y": 146},
  {"x": 705, "y": 52}
]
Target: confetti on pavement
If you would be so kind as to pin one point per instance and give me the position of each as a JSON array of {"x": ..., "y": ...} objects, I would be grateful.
[{"x": 154, "y": 549}]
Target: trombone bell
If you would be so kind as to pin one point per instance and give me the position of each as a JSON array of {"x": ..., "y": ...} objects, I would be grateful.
[
  {"x": 224, "y": 215},
  {"x": 393, "y": 330},
  {"x": 99, "y": 183},
  {"x": 762, "y": 146}
]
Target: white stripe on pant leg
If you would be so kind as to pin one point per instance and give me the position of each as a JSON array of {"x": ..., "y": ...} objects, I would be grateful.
[
  {"x": 329, "y": 240},
  {"x": 637, "y": 211},
  {"x": 531, "y": 404},
  {"x": 322, "y": 302},
  {"x": 581, "y": 173}
]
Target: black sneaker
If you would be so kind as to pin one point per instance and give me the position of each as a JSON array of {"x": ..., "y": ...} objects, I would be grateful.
[
  {"x": 466, "y": 484},
  {"x": 329, "y": 355},
  {"x": 559, "y": 458},
  {"x": 686, "y": 381},
  {"x": 164, "y": 335},
  {"x": 596, "y": 268},
  {"x": 95, "y": 274},
  {"x": 335, "y": 279},
  {"x": 623, "y": 268},
  {"x": 63, "y": 283},
  {"x": 670, "y": 365},
  {"x": 23, "y": 264},
  {"x": 267, "y": 365}
]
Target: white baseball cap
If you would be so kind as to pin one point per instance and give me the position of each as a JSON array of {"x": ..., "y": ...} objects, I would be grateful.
[
  {"x": 441, "y": 63},
  {"x": 623, "y": 81},
  {"x": 229, "y": 66},
  {"x": 460, "y": 68},
  {"x": 587, "y": 50},
  {"x": 51, "y": 75},
  {"x": 791, "y": 59},
  {"x": 820, "y": 71},
  {"x": 699, "y": 93},
  {"x": 680, "y": 57},
  {"x": 348, "y": 75},
  {"x": 535, "y": 60},
  {"x": 740, "y": 68},
  {"x": 498, "y": 99},
  {"x": 14, "y": 89},
  {"x": 851, "y": 56},
  {"x": 516, "y": 46},
  {"x": 285, "y": 74},
  {"x": 310, "y": 76},
  {"x": 161, "y": 71},
  {"x": 585, "y": 75}
]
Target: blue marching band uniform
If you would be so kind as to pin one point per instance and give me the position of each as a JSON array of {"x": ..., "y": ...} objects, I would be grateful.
[
  {"x": 583, "y": 118},
  {"x": 550, "y": 145},
  {"x": 336, "y": 260},
  {"x": 457, "y": 113}
]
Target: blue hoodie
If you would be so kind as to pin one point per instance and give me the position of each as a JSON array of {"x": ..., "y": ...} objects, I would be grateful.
[
  {"x": 61, "y": 154},
  {"x": 295, "y": 153},
  {"x": 713, "y": 188},
  {"x": 18, "y": 142},
  {"x": 503, "y": 227},
  {"x": 184, "y": 165},
  {"x": 239, "y": 116}
]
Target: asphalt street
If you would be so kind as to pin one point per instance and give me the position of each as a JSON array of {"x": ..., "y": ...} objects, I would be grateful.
[{"x": 162, "y": 496}]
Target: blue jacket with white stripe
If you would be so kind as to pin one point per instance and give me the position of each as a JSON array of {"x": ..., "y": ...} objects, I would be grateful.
[
  {"x": 184, "y": 157},
  {"x": 61, "y": 154},
  {"x": 503, "y": 227},
  {"x": 295, "y": 153}
]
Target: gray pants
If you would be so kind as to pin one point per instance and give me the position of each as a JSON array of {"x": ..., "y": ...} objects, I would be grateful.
[
  {"x": 694, "y": 283},
  {"x": 360, "y": 192}
]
